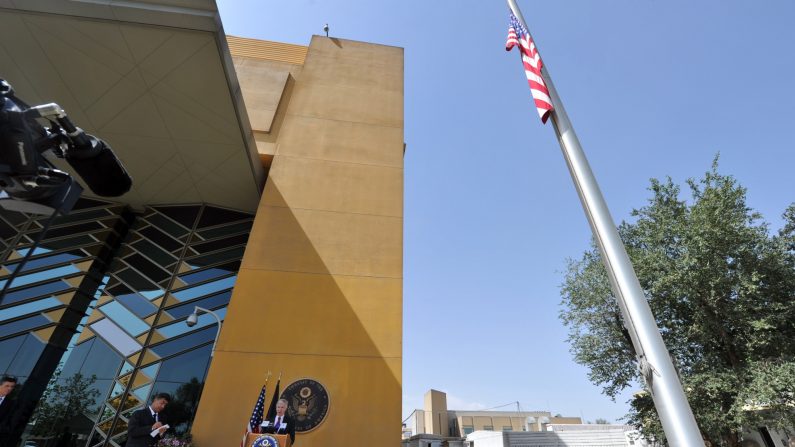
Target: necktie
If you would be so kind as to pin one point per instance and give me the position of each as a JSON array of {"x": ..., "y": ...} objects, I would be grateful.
[
  {"x": 278, "y": 422},
  {"x": 156, "y": 418}
]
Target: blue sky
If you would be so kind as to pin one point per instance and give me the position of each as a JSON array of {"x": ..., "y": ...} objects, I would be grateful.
[{"x": 654, "y": 88}]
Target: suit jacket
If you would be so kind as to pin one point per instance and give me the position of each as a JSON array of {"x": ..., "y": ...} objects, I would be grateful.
[
  {"x": 8, "y": 416},
  {"x": 140, "y": 426},
  {"x": 290, "y": 430}
]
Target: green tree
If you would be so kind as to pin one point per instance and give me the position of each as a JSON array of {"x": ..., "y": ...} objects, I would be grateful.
[
  {"x": 63, "y": 400},
  {"x": 722, "y": 289}
]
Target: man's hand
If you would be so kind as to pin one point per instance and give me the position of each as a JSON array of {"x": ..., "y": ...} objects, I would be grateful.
[
  {"x": 157, "y": 425},
  {"x": 163, "y": 429}
]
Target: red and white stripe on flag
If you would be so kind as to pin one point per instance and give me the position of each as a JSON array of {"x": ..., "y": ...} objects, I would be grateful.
[{"x": 519, "y": 37}]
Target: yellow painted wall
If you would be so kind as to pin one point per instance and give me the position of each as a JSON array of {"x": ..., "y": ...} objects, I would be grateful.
[{"x": 319, "y": 293}]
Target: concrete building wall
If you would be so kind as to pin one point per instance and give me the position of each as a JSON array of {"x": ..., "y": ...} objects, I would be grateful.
[
  {"x": 436, "y": 420},
  {"x": 319, "y": 293}
]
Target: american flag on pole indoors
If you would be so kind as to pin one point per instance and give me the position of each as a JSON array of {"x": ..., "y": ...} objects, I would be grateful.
[
  {"x": 256, "y": 414},
  {"x": 518, "y": 36}
]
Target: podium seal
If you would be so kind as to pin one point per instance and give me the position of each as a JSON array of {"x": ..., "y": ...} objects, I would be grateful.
[
  {"x": 308, "y": 403},
  {"x": 266, "y": 441}
]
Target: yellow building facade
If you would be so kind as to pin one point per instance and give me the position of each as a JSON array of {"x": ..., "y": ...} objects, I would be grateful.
[{"x": 319, "y": 293}]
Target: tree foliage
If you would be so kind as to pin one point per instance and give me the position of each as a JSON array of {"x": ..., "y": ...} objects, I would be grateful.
[
  {"x": 63, "y": 400},
  {"x": 722, "y": 289}
]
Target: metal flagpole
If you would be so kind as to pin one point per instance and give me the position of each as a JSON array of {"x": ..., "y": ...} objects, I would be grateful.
[{"x": 654, "y": 361}]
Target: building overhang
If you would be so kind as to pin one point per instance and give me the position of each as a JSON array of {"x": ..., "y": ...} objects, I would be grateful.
[{"x": 154, "y": 79}]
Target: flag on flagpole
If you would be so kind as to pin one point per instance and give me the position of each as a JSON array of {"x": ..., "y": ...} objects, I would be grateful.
[
  {"x": 256, "y": 415},
  {"x": 272, "y": 409},
  {"x": 519, "y": 36}
]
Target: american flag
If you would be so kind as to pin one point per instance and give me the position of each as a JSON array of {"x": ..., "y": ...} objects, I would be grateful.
[
  {"x": 518, "y": 36},
  {"x": 256, "y": 414}
]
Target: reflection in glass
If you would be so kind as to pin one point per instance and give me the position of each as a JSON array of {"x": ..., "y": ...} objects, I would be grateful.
[
  {"x": 30, "y": 292},
  {"x": 49, "y": 260},
  {"x": 183, "y": 377},
  {"x": 213, "y": 258},
  {"x": 226, "y": 229},
  {"x": 27, "y": 308},
  {"x": 206, "y": 288},
  {"x": 180, "y": 344},
  {"x": 210, "y": 273},
  {"x": 41, "y": 276},
  {"x": 24, "y": 324},
  {"x": 8, "y": 350},
  {"x": 116, "y": 337},
  {"x": 137, "y": 304},
  {"x": 124, "y": 318}
]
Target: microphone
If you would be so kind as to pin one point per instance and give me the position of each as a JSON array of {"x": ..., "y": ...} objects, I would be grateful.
[{"x": 103, "y": 173}]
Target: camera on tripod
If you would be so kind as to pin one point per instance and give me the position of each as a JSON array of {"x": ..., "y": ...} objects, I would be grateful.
[{"x": 28, "y": 181}]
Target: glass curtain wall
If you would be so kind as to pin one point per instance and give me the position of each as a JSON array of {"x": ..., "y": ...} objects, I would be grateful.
[{"x": 133, "y": 341}]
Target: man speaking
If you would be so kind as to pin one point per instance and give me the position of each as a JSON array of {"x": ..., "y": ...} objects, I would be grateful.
[
  {"x": 282, "y": 423},
  {"x": 146, "y": 425}
]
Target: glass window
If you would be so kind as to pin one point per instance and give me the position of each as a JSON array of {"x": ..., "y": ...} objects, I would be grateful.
[
  {"x": 153, "y": 252},
  {"x": 137, "y": 304},
  {"x": 85, "y": 227},
  {"x": 30, "y": 292},
  {"x": 468, "y": 429},
  {"x": 183, "y": 377},
  {"x": 27, "y": 356},
  {"x": 101, "y": 361},
  {"x": 225, "y": 269},
  {"x": 8, "y": 350},
  {"x": 214, "y": 258},
  {"x": 184, "y": 367},
  {"x": 77, "y": 356},
  {"x": 7, "y": 231},
  {"x": 166, "y": 225},
  {"x": 49, "y": 260},
  {"x": 160, "y": 238},
  {"x": 185, "y": 215},
  {"x": 180, "y": 344},
  {"x": 22, "y": 325},
  {"x": 135, "y": 280},
  {"x": 147, "y": 267},
  {"x": 488, "y": 427},
  {"x": 69, "y": 242},
  {"x": 206, "y": 288},
  {"x": 211, "y": 302},
  {"x": 27, "y": 308},
  {"x": 507, "y": 428},
  {"x": 226, "y": 229},
  {"x": 42, "y": 276},
  {"x": 124, "y": 318},
  {"x": 212, "y": 216},
  {"x": 116, "y": 337},
  {"x": 219, "y": 244}
]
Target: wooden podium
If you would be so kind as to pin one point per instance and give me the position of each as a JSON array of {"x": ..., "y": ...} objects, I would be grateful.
[{"x": 283, "y": 440}]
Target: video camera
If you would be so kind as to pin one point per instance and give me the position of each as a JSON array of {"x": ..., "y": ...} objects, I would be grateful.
[{"x": 28, "y": 181}]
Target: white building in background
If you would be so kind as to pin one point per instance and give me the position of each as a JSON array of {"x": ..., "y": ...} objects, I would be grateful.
[{"x": 561, "y": 435}]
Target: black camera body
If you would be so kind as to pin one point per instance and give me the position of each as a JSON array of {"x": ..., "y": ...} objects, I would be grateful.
[{"x": 28, "y": 181}]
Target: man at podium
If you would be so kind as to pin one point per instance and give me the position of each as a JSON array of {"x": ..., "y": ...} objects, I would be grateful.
[{"x": 282, "y": 423}]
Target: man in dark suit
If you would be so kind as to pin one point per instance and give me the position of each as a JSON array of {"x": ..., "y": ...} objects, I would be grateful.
[
  {"x": 146, "y": 420},
  {"x": 282, "y": 423},
  {"x": 8, "y": 415}
]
